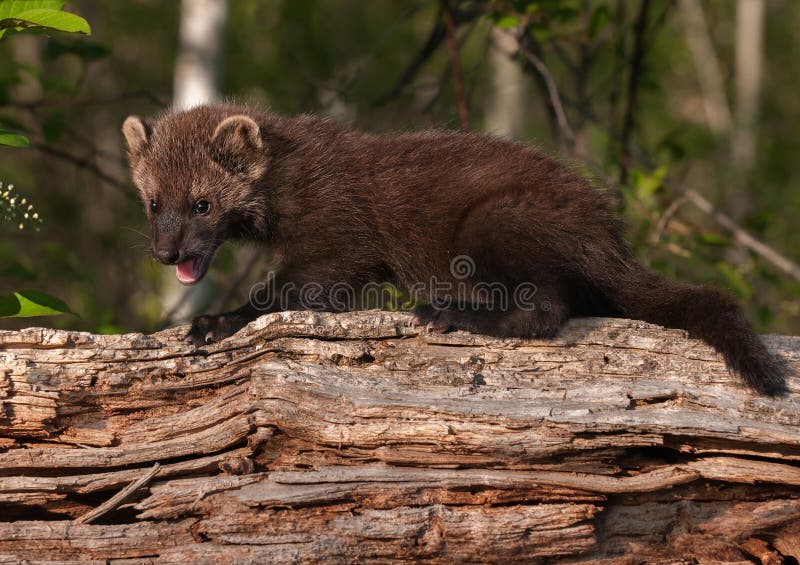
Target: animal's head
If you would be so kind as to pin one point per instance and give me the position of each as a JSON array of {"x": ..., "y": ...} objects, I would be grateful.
[{"x": 197, "y": 173}]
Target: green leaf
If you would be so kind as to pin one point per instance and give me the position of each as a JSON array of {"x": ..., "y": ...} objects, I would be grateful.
[
  {"x": 531, "y": 8},
  {"x": 28, "y": 303},
  {"x": 600, "y": 19},
  {"x": 13, "y": 139},
  {"x": 713, "y": 239},
  {"x": 50, "y": 19},
  {"x": 541, "y": 34},
  {"x": 648, "y": 184},
  {"x": 11, "y": 8},
  {"x": 507, "y": 22}
]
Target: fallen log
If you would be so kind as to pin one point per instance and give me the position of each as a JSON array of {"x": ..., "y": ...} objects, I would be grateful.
[{"x": 349, "y": 437}]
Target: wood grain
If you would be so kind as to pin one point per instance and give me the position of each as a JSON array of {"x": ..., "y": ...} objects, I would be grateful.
[{"x": 312, "y": 437}]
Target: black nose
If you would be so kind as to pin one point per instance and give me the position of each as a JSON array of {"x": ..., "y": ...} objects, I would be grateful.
[{"x": 167, "y": 255}]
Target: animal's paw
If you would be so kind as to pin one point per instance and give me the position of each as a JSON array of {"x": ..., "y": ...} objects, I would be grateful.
[
  {"x": 434, "y": 319},
  {"x": 209, "y": 329}
]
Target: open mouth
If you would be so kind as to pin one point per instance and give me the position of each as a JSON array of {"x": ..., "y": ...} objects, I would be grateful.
[{"x": 194, "y": 268}]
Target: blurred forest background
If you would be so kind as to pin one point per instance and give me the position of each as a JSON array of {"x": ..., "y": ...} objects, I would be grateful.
[{"x": 686, "y": 111}]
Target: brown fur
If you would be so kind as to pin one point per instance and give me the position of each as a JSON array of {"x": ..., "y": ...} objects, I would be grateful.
[{"x": 342, "y": 206}]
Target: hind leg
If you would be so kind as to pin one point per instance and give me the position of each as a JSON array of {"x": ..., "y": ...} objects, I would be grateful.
[{"x": 540, "y": 318}]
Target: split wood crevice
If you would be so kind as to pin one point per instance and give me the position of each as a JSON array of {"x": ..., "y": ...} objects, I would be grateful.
[{"x": 350, "y": 437}]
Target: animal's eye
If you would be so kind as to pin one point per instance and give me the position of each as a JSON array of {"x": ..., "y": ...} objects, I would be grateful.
[
  {"x": 201, "y": 207},
  {"x": 153, "y": 206}
]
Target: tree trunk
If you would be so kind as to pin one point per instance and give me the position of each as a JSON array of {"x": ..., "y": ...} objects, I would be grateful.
[
  {"x": 349, "y": 437},
  {"x": 199, "y": 61},
  {"x": 505, "y": 108},
  {"x": 707, "y": 66},
  {"x": 749, "y": 63}
]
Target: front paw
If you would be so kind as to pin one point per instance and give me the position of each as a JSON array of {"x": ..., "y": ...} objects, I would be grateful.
[
  {"x": 434, "y": 319},
  {"x": 209, "y": 329}
]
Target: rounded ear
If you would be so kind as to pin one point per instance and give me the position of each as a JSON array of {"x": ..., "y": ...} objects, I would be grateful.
[
  {"x": 237, "y": 145},
  {"x": 137, "y": 134},
  {"x": 238, "y": 133}
]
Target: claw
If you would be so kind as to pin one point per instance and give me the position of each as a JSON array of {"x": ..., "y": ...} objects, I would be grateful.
[
  {"x": 436, "y": 327},
  {"x": 206, "y": 330}
]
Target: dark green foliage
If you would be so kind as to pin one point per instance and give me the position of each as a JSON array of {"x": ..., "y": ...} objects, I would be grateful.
[{"x": 366, "y": 63}]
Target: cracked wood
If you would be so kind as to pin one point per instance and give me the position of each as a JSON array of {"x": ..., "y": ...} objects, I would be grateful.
[{"x": 311, "y": 436}]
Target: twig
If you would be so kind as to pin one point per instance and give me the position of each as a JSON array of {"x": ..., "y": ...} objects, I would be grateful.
[
  {"x": 563, "y": 56},
  {"x": 772, "y": 256},
  {"x": 553, "y": 96},
  {"x": 435, "y": 38},
  {"x": 740, "y": 236},
  {"x": 455, "y": 64},
  {"x": 665, "y": 218},
  {"x": 81, "y": 163},
  {"x": 154, "y": 99},
  {"x": 613, "y": 88},
  {"x": 637, "y": 59},
  {"x": 428, "y": 107},
  {"x": 475, "y": 74},
  {"x": 586, "y": 57},
  {"x": 547, "y": 77},
  {"x": 120, "y": 497},
  {"x": 441, "y": 82}
]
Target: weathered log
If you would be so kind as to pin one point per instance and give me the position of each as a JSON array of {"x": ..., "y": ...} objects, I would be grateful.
[{"x": 345, "y": 437}]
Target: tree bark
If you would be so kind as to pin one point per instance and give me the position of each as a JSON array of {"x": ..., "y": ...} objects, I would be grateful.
[{"x": 312, "y": 437}]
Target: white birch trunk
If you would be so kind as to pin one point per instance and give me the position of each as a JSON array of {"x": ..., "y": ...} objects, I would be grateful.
[
  {"x": 749, "y": 55},
  {"x": 505, "y": 109},
  {"x": 199, "y": 62}
]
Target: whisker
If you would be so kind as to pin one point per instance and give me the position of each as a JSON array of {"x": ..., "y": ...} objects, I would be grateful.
[{"x": 136, "y": 231}]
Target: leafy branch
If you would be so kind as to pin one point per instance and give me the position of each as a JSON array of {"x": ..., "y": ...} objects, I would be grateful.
[
  {"x": 35, "y": 16},
  {"x": 30, "y": 16}
]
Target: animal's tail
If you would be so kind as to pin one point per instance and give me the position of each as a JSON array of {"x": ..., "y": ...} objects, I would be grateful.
[{"x": 706, "y": 313}]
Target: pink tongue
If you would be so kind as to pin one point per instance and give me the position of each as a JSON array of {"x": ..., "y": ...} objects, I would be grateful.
[{"x": 185, "y": 272}]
